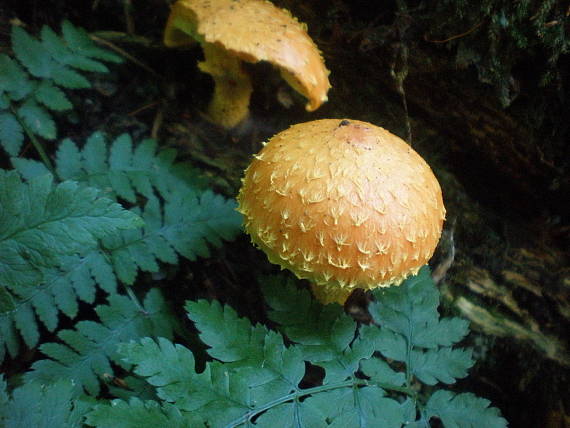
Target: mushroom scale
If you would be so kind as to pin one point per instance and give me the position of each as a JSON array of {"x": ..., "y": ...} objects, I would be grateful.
[
  {"x": 344, "y": 204},
  {"x": 250, "y": 31}
]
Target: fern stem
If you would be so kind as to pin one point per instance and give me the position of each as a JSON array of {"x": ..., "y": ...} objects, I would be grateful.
[
  {"x": 354, "y": 383},
  {"x": 134, "y": 299}
]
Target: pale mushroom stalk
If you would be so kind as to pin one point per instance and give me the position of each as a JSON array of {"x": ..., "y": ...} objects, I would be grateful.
[{"x": 232, "y": 86}]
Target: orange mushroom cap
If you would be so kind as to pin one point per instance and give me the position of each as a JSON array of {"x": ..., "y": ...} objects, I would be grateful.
[
  {"x": 344, "y": 204},
  {"x": 253, "y": 31}
]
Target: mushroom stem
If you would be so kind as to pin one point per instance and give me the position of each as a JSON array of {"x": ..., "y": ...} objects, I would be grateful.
[{"x": 232, "y": 86}]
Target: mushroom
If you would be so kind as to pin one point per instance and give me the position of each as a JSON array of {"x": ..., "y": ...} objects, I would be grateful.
[
  {"x": 232, "y": 31},
  {"x": 344, "y": 204}
]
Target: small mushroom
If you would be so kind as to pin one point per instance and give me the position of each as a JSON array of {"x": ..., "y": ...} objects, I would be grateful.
[
  {"x": 232, "y": 31},
  {"x": 344, "y": 204}
]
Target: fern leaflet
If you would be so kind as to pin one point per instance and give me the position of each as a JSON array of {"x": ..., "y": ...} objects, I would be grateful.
[
  {"x": 255, "y": 380},
  {"x": 44, "y": 230},
  {"x": 412, "y": 332},
  {"x": 30, "y": 84},
  {"x": 187, "y": 221},
  {"x": 87, "y": 351},
  {"x": 42, "y": 406},
  {"x": 463, "y": 410},
  {"x": 140, "y": 414}
]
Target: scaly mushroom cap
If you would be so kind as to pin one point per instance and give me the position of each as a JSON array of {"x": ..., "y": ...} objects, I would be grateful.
[
  {"x": 344, "y": 204},
  {"x": 254, "y": 30}
]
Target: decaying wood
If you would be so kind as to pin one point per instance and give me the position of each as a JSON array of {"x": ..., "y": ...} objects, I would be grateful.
[{"x": 510, "y": 273}]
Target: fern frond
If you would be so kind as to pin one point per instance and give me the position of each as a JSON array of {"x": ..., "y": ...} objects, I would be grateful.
[
  {"x": 52, "y": 97},
  {"x": 255, "y": 380},
  {"x": 357, "y": 407},
  {"x": 36, "y": 119},
  {"x": 41, "y": 222},
  {"x": 124, "y": 168},
  {"x": 31, "y": 86},
  {"x": 60, "y": 291},
  {"x": 137, "y": 413},
  {"x": 11, "y": 132},
  {"x": 46, "y": 234},
  {"x": 87, "y": 352},
  {"x": 463, "y": 410},
  {"x": 82, "y": 47},
  {"x": 414, "y": 334},
  {"x": 305, "y": 321},
  {"x": 188, "y": 221},
  {"x": 15, "y": 83},
  {"x": 42, "y": 406}
]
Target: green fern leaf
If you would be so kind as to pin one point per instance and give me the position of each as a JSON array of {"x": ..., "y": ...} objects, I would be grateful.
[
  {"x": 43, "y": 230},
  {"x": 11, "y": 133},
  {"x": 175, "y": 379},
  {"x": 86, "y": 352},
  {"x": 126, "y": 168},
  {"x": 380, "y": 371},
  {"x": 4, "y": 398},
  {"x": 68, "y": 161},
  {"x": 29, "y": 168},
  {"x": 7, "y": 303},
  {"x": 42, "y": 406},
  {"x": 233, "y": 340},
  {"x": 94, "y": 161},
  {"x": 31, "y": 53},
  {"x": 14, "y": 81},
  {"x": 441, "y": 365},
  {"x": 322, "y": 332},
  {"x": 463, "y": 411},
  {"x": 59, "y": 50},
  {"x": 218, "y": 394},
  {"x": 119, "y": 161},
  {"x": 41, "y": 222},
  {"x": 392, "y": 345},
  {"x": 445, "y": 332},
  {"x": 360, "y": 407},
  {"x": 188, "y": 222},
  {"x": 52, "y": 97},
  {"x": 48, "y": 64},
  {"x": 61, "y": 289},
  {"x": 195, "y": 220},
  {"x": 137, "y": 413},
  {"x": 79, "y": 42},
  {"x": 240, "y": 342},
  {"x": 411, "y": 331},
  {"x": 325, "y": 334},
  {"x": 37, "y": 119},
  {"x": 53, "y": 56},
  {"x": 413, "y": 308},
  {"x": 185, "y": 225},
  {"x": 69, "y": 78},
  {"x": 25, "y": 323},
  {"x": 255, "y": 378}
]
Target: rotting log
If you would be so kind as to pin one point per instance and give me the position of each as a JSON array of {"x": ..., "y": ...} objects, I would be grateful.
[{"x": 503, "y": 185}]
